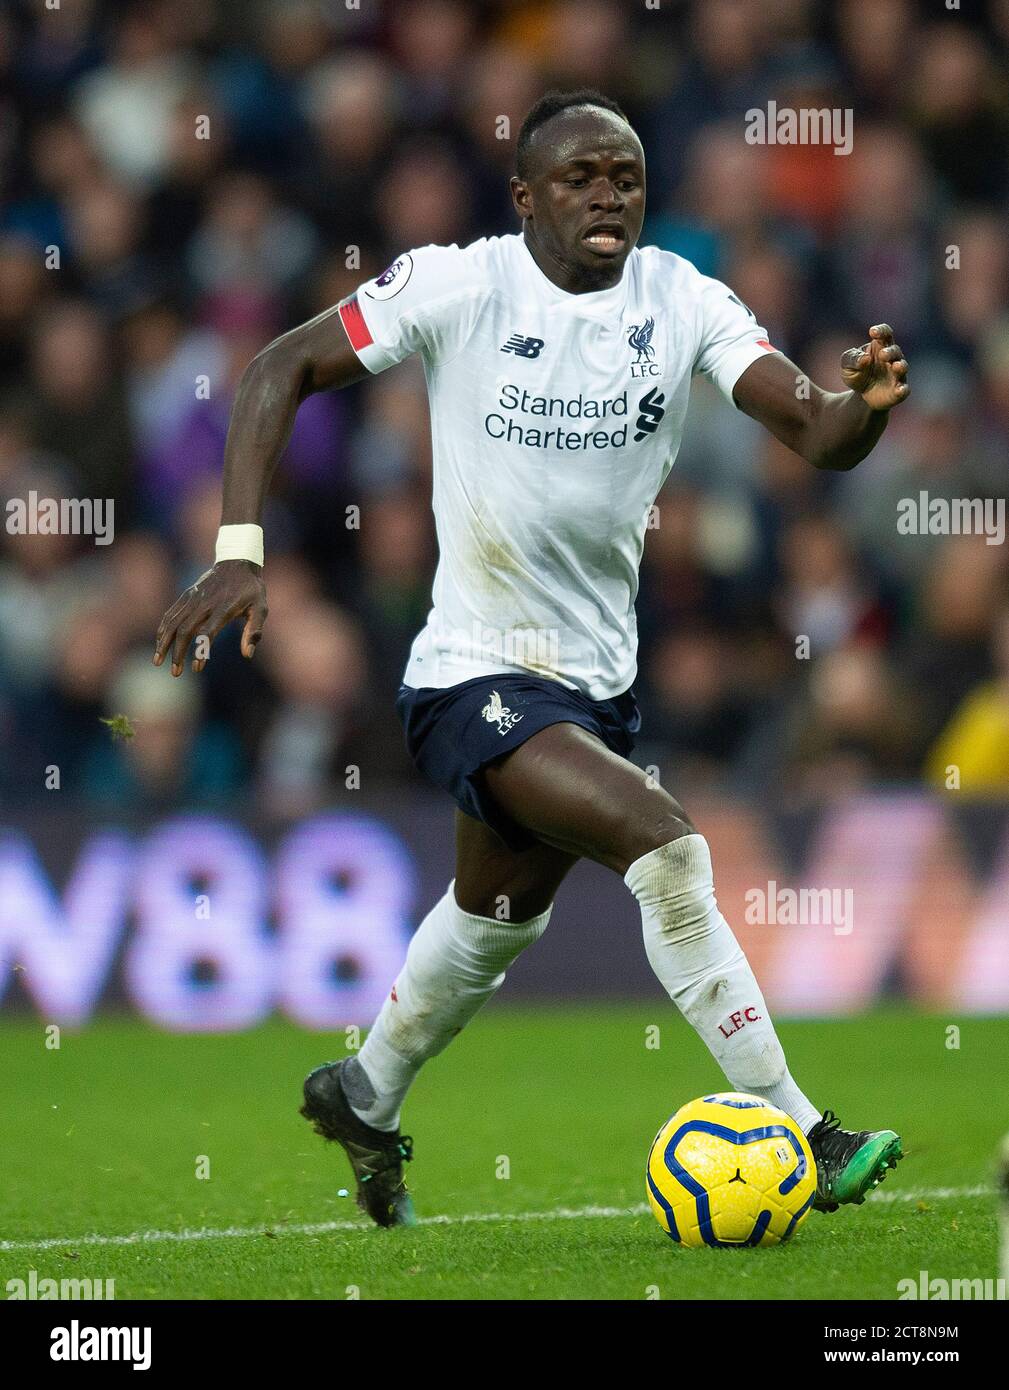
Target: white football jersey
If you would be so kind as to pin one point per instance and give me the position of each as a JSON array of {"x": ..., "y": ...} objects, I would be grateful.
[{"x": 555, "y": 420}]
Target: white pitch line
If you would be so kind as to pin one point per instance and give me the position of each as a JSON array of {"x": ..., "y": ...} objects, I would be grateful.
[
  {"x": 930, "y": 1194},
  {"x": 317, "y": 1228},
  {"x": 320, "y": 1228}
]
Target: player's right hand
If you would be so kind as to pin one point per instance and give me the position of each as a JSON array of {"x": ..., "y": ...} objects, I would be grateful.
[{"x": 232, "y": 589}]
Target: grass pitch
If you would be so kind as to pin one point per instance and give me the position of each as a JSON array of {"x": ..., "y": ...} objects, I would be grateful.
[{"x": 102, "y": 1141}]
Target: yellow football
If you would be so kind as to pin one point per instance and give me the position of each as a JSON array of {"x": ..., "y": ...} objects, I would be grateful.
[{"x": 729, "y": 1169}]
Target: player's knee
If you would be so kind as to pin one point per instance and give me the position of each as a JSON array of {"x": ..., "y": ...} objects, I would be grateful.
[
  {"x": 511, "y": 901},
  {"x": 653, "y": 829},
  {"x": 514, "y": 908},
  {"x": 674, "y": 883}
]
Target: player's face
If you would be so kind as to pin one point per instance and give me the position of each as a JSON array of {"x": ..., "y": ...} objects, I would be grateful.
[{"x": 585, "y": 202}]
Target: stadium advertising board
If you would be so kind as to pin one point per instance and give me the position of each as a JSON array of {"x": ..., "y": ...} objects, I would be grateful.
[{"x": 204, "y": 922}]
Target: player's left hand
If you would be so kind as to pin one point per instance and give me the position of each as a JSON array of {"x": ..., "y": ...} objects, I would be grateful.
[{"x": 877, "y": 370}]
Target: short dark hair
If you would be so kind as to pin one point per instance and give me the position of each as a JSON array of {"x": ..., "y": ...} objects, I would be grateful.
[{"x": 552, "y": 104}]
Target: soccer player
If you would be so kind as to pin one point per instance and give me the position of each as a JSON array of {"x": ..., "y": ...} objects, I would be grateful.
[{"x": 558, "y": 365}]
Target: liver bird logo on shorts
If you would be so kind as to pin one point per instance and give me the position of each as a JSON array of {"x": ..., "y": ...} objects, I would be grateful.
[{"x": 497, "y": 713}]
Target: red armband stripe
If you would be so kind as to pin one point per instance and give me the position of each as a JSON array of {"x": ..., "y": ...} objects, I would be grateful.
[{"x": 353, "y": 321}]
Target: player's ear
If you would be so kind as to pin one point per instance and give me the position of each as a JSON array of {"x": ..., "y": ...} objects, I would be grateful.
[{"x": 521, "y": 197}]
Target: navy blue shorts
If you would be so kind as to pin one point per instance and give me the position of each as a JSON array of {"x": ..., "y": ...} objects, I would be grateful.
[{"x": 453, "y": 734}]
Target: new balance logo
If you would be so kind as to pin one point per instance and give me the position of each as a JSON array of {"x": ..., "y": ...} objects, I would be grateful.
[
  {"x": 496, "y": 713},
  {"x": 522, "y": 346}
]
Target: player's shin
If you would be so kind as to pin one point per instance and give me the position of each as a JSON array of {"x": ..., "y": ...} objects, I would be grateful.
[
  {"x": 455, "y": 963},
  {"x": 698, "y": 960}
]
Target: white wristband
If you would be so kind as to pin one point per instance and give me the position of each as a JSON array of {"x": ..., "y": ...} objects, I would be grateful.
[{"x": 243, "y": 542}]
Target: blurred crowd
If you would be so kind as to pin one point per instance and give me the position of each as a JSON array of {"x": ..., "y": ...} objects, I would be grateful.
[{"x": 182, "y": 180}]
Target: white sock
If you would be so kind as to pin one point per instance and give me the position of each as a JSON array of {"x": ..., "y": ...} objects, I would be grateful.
[
  {"x": 454, "y": 964},
  {"x": 692, "y": 950}
]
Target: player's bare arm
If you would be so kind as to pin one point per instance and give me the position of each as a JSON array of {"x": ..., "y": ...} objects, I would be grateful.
[
  {"x": 317, "y": 356},
  {"x": 831, "y": 429}
]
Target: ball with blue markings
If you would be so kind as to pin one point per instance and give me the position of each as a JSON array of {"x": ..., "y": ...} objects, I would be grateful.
[{"x": 730, "y": 1170}]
